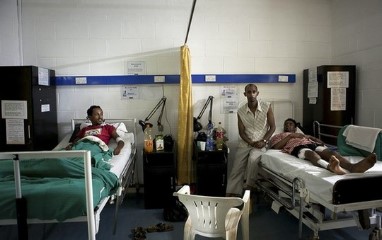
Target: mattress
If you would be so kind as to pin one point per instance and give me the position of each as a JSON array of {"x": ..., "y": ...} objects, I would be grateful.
[{"x": 323, "y": 184}]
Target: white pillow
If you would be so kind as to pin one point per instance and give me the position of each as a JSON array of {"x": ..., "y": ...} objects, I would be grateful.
[
  {"x": 85, "y": 124},
  {"x": 281, "y": 129},
  {"x": 298, "y": 130},
  {"x": 121, "y": 128}
]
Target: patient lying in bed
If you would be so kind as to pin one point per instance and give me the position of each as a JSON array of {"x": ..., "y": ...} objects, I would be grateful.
[{"x": 314, "y": 150}]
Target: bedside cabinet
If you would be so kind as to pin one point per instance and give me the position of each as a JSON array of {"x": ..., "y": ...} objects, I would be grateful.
[
  {"x": 159, "y": 170},
  {"x": 211, "y": 171}
]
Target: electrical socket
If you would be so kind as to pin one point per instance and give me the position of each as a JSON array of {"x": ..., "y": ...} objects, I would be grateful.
[
  {"x": 159, "y": 79},
  {"x": 283, "y": 78},
  {"x": 81, "y": 80},
  {"x": 210, "y": 78}
]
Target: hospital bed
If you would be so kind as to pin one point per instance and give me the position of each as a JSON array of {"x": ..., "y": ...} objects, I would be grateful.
[
  {"x": 318, "y": 198},
  {"x": 66, "y": 186}
]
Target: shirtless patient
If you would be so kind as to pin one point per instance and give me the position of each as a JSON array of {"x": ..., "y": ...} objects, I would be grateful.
[{"x": 314, "y": 150}]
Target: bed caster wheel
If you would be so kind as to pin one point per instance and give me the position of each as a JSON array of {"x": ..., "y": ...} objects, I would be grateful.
[
  {"x": 137, "y": 187},
  {"x": 374, "y": 235},
  {"x": 315, "y": 237},
  {"x": 311, "y": 238}
]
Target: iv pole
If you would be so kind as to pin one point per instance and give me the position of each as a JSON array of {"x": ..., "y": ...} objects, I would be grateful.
[
  {"x": 197, "y": 125},
  {"x": 145, "y": 124}
]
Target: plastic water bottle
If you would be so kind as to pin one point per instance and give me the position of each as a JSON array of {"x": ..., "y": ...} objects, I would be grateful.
[
  {"x": 210, "y": 137},
  {"x": 219, "y": 137},
  {"x": 159, "y": 142},
  {"x": 148, "y": 141}
]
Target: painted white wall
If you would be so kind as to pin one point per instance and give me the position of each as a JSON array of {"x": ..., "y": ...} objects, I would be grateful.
[
  {"x": 357, "y": 39},
  {"x": 245, "y": 36},
  {"x": 9, "y": 37}
]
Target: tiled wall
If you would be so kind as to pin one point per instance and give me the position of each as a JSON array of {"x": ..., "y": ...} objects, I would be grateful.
[{"x": 226, "y": 37}]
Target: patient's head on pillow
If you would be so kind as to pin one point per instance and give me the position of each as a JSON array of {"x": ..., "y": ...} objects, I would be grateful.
[
  {"x": 290, "y": 125},
  {"x": 280, "y": 126}
]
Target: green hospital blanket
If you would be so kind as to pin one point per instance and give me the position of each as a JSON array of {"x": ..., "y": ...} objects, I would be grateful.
[
  {"x": 100, "y": 158},
  {"x": 55, "y": 188},
  {"x": 346, "y": 150}
]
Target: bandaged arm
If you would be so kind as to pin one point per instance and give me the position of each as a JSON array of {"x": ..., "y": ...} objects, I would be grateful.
[{"x": 120, "y": 144}]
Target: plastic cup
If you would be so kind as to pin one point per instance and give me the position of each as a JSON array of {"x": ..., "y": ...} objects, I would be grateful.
[{"x": 202, "y": 146}]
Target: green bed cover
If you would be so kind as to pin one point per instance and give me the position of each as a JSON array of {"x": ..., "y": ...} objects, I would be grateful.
[
  {"x": 346, "y": 150},
  {"x": 55, "y": 188}
]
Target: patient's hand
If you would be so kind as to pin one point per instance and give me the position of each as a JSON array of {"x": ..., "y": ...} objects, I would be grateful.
[
  {"x": 116, "y": 151},
  {"x": 69, "y": 147}
]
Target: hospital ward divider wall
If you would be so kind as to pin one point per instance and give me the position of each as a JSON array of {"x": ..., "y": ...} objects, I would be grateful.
[
  {"x": 329, "y": 97},
  {"x": 29, "y": 109}
]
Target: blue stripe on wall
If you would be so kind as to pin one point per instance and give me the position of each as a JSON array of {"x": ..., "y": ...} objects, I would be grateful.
[{"x": 174, "y": 79}]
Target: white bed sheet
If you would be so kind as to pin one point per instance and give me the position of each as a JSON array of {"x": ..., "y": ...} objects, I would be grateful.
[
  {"x": 118, "y": 162},
  {"x": 317, "y": 180}
]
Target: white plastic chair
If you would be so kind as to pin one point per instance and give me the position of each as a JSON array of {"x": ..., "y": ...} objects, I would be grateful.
[{"x": 214, "y": 216}]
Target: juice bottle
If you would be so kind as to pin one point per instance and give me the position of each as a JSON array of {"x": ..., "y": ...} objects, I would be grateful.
[
  {"x": 148, "y": 140},
  {"x": 219, "y": 137}
]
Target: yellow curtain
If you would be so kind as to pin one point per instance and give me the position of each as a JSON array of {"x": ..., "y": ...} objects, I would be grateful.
[{"x": 185, "y": 120}]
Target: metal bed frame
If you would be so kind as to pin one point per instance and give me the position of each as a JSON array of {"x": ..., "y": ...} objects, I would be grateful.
[
  {"x": 93, "y": 212},
  {"x": 308, "y": 207}
]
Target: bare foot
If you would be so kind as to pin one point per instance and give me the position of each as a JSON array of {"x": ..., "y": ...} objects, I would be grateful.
[
  {"x": 364, "y": 164},
  {"x": 334, "y": 166}
]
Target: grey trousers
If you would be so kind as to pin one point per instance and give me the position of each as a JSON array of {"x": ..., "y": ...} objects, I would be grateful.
[{"x": 244, "y": 167}]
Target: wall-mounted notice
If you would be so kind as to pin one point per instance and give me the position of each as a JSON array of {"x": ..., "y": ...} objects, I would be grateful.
[
  {"x": 129, "y": 92},
  {"x": 338, "y": 99},
  {"x": 230, "y": 105},
  {"x": 338, "y": 82},
  {"x": 229, "y": 99},
  {"x": 338, "y": 79},
  {"x": 14, "y": 109},
  {"x": 43, "y": 76},
  {"x": 45, "y": 107},
  {"x": 15, "y": 131},
  {"x": 136, "y": 68},
  {"x": 313, "y": 89},
  {"x": 312, "y": 86}
]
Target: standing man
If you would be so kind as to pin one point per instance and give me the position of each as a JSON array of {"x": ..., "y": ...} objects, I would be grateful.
[{"x": 256, "y": 125}]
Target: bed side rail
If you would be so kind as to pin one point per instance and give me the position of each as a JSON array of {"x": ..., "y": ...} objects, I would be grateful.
[
  {"x": 21, "y": 202},
  {"x": 287, "y": 187},
  {"x": 327, "y": 133}
]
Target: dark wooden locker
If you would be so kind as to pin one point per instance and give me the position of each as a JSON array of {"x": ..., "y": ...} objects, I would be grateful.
[
  {"x": 321, "y": 111},
  {"x": 211, "y": 171},
  {"x": 35, "y": 86},
  {"x": 159, "y": 176}
]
